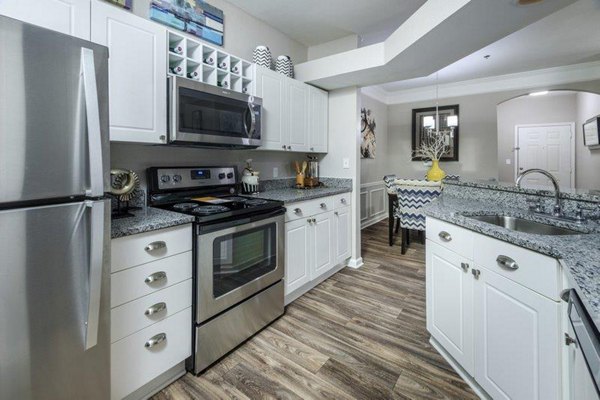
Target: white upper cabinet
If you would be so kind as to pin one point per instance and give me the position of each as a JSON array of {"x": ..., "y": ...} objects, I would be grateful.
[
  {"x": 295, "y": 114},
  {"x": 137, "y": 73},
  {"x": 270, "y": 87},
  {"x": 318, "y": 123},
  {"x": 71, "y": 17},
  {"x": 298, "y": 115}
]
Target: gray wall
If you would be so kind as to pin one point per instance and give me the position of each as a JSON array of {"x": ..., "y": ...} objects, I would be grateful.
[
  {"x": 373, "y": 169},
  {"x": 588, "y": 161},
  {"x": 243, "y": 33},
  {"x": 477, "y": 138},
  {"x": 552, "y": 108}
]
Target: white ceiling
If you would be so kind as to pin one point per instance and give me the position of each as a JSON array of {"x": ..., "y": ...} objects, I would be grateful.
[
  {"x": 569, "y": 36},
  {"x": 313, "y": 22}
]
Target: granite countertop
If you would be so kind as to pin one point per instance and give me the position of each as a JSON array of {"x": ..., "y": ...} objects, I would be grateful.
[
  {"x": 147, "y": 219},
  {"x": 579, "y": 254},
  {"x": 284, "y": 190},
  {"x": 293, "y": 195}
]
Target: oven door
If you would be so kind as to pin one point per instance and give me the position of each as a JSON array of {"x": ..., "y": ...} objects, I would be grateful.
[
  {"x": 234, "y": 263},
  {"x": 207, "y": 115}
]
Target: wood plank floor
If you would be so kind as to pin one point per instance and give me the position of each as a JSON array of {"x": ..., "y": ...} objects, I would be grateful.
[{"x": 358, "y": 335}]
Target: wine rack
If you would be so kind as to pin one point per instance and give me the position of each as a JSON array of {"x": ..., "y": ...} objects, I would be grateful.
[{"x": 195, "y": 60}]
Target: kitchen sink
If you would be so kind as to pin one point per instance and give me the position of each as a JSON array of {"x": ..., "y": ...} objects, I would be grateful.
[{"x": 524, "y": 225}]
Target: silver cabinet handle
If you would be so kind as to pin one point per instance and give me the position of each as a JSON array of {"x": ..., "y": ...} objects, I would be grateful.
[
  {"x": 155, "y": 277},
  {"x": 336, "y": 213},
  {"x": 155, "y": 246},
  {"x": 465, "y": 267},
  {"x": 297, "y": 211},
  {"x": 154, "y": 340},
  {"x": 312, "y": 149},
  {"x": 343, "y": 201},
  {"x": 476, "y": 273},
  {"x": 92, "y": 110},
  {"x": 289, "y": 147},
  {"x": 283, "y": 146},
  {"x": 569, "y": 340},
  {"x": 323, "y": 205},
  {"x": 156, "y": 308},
  {"x": 507, "y": 263},
  {"x": 445, "y": 236}
]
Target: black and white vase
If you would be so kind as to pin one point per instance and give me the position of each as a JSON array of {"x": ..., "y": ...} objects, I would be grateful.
[
  {"x": 262, "y": 56},
  {"x": 284, "y": 66}
]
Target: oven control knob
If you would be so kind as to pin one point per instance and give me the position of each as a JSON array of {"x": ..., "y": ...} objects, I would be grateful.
[
  {"x": 222, "y": 175},
  {"x": 165, "y": 178},
  {"x": 230, "y": 175},
  {"x": 176, "y": 178}
]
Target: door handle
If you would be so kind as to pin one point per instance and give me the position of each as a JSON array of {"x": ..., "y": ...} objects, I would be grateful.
[
  {"x": 156, "y": 277},
  {"x": 95, "y": 271},
  {"x": 92, "y": 110},
  {"x": 250, "y": 130},
  {"x": 507, "y": 263},
  {"x": 156, "y": 308},
  {"x": 160, "y": 244},
  {"x": 445, "y": 236},
  {"x": 154, "y": 340}
]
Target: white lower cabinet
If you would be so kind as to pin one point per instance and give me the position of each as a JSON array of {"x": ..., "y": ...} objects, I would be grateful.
[
  {"x": 321, "y": 244},
  {"x": 517, "y": 341},
  {"x": 297, "y": 269},
  {"x": 498, "y": 323},
  {"x": 580, "y": 383},
  {"x": 450, "y": 302},
  {"x": 317, "y": 240},
  {"x": 151, "y": 300}
]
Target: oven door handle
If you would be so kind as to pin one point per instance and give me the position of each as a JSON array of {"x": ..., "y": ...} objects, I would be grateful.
[{"x": 239, "y": 222}]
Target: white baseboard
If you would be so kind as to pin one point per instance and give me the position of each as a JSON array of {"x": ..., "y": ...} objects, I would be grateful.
[
  {"x": 355, "y": 263},
  {"x": 459, "y": 370}
]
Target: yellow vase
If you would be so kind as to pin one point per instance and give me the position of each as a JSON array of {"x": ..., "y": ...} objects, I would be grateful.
[{"x": 435, "y": 173}]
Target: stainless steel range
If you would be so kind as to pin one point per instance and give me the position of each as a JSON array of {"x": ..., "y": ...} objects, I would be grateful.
[{"x": 238, "y": 253}]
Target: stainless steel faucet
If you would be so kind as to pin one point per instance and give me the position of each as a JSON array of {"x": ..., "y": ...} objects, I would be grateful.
[{"x": 557, "y": 206}]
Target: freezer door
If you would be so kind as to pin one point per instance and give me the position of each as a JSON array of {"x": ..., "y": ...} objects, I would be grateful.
[
  {"x": 53, "y": 115},
  {"x": 54, "y": 302}
]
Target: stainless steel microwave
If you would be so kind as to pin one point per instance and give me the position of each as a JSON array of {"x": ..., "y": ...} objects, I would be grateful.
[{"x": 211, "y": 116}]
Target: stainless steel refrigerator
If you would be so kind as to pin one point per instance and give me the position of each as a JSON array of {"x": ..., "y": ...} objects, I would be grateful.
[{"x": 54, "y": 218}]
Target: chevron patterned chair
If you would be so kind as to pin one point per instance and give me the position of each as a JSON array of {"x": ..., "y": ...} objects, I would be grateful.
[
  {"x": 412, "y": 196},
  {"x": 393, "y": 210}
]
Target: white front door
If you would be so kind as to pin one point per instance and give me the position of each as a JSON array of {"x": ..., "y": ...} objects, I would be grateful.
[{"x": 548, "y": 147}]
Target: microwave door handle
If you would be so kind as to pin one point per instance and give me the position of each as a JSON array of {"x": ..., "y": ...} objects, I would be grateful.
[
  {"x": 250, "y": 131},
  {"x": 92, "y": 109}
]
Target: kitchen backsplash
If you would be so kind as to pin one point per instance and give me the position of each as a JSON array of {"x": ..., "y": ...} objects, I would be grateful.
[{"x": 139, "y": 157}]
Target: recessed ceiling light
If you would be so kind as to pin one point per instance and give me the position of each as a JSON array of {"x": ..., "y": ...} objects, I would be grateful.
[
  {"x": 527, "y": 2},
  {"x": 543, "y": 92}
]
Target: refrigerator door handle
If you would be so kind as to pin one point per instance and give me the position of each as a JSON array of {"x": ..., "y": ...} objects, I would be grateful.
[
  {"x": 92, "y": 109},
  {"x": 95, "y": 271}
]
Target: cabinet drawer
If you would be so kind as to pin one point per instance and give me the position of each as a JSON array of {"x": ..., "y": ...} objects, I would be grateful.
[
  {"x": 145, "y": 311},
  {"x": 535, "y": 271},
  {"x": 133, "y": 364},
  {"x": 452, "y": 237},
  {"x": 131, "y": 284},
  {"x": 308, "y": 208},
  {"x": 342, "y": 200},
  {"x": 138, "y": 249}
]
